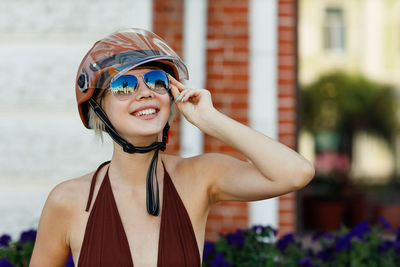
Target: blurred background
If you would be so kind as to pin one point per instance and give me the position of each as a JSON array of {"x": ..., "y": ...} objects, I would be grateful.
[
  {"x": 349, "y": 75},
  {"x": 320, "y": 76}
]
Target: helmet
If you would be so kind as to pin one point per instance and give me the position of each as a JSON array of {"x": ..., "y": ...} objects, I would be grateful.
[
  {"x": 118, "y": 53},
  {"x": 107, "y": 60}
]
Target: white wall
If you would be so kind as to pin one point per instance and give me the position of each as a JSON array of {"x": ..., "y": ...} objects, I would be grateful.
[
  {"x": 194, "y": 56},
  {"x": 42, "y": 139},
  {"x": 263, "y": 90}
]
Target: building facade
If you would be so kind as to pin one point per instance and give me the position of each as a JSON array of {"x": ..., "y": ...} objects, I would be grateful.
[
  {"x": 243, "y": 51},
  {"x": 355, "y": 36},
  {"x": 358, "y": 37}
]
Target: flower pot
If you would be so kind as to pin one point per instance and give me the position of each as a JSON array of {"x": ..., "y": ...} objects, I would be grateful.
[
  {"x": 391, "y": 212},
  {"x": 328, "y": 215}
]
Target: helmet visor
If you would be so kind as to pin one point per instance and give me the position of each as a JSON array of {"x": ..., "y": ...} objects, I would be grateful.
[{"x": 124, "y": 50}]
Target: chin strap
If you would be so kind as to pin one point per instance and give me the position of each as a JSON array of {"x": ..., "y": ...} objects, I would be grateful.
[{"x": 152, "y": 200}]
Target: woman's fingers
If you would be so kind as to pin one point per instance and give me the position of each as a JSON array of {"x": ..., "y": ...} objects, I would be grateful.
[
  {"x": 186, "y": 94},
  {"x": 190, "y": 93},
  {"x": 175, "y": 82},
  {"x": 175, "y": 92},
  {"x": 182, "y": 95}
]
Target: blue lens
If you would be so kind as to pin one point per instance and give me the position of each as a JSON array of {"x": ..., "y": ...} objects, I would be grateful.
[
  {"x": 157, "y": 80},
  {"x": 124, "y": 85}
]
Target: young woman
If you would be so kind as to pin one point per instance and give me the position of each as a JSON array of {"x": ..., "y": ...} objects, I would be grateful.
[{"x": 146, "y": 208}]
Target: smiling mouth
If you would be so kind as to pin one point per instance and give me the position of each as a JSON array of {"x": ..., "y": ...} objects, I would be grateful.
[{"x": 145, "y": 112}]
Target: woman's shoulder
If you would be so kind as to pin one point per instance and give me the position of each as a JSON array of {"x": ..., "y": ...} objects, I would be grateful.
[
  {"x": 196, "y": 165},
  {"x": 71, "y": 194},
  {"x": 198, "y": 160}
]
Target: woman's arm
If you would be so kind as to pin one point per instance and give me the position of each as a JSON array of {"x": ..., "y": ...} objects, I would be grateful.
[
  {"x": 51, "y": 246},
  {"x": 274, "y": 169}
]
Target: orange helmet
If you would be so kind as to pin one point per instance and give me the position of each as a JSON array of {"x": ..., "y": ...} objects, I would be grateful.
[{"x": 118, "y": 53}]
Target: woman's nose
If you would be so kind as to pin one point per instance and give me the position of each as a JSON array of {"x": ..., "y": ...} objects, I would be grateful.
[{"x": 143, "y": 91}]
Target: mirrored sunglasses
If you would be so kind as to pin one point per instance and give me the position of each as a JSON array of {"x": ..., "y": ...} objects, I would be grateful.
[{"x": 126, "y": 85}]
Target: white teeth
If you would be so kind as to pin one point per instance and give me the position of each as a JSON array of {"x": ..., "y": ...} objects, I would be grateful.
[{"x": 145, "y": 112}]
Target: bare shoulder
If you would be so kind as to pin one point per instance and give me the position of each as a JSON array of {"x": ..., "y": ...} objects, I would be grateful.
[
  {"x": 200, "y": 166},
  {"x": 198, "y": 171},
  {"x": 69, "y": 193},
  {"x": 52, "y": 246}
]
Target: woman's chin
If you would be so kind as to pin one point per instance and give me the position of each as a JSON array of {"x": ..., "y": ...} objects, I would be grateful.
[
  {"x": 142, "y": 137},
  {"x": 145, "y": 130}
]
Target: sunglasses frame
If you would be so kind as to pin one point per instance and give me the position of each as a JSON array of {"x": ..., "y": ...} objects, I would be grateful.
[{"x": 167, "y": 89}]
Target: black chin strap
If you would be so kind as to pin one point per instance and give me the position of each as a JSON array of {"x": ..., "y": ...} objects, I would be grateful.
[{"x": 152, "y": 201}]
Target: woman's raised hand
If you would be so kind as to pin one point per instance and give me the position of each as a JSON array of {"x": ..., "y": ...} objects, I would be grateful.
[{"x": 192, "y": 103}]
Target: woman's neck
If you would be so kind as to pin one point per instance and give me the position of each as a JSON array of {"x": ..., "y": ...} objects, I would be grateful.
[{"x": 130, "y": 170}]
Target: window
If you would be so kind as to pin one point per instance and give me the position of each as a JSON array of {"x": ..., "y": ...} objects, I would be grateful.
[{"x": 334, "y": 29}]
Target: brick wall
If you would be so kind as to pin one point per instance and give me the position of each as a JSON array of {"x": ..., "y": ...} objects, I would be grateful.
[
  {"x": 49, "y": 142},
  {"x": 167, "y": 23},
  {"x": 227, "y": 79},
  {"x": 287, "y": 91}
]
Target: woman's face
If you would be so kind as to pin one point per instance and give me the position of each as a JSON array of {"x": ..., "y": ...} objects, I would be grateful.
[{"x": 140, "y": 117}]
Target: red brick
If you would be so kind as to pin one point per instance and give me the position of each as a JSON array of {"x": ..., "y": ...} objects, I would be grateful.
[
  {"x": 287, "y": 2},
  {"x": 242, "y": 105},
  {"x": 286, "y": 217},
  {"x": 286, "y": 21},
  {"x": 236, "y": 10},
  {"x": 286, "y": 116},
  {"x": 287, "y": 60},
  {"x": 286, "y": 9},
  {"x": 288, "y": 75},
  {"x": 288, "y": 94},
  {"x": 289, "y": 141},
  {"x": 286, "y": 204},
  {"x": 285, "y": 35},
  {"x": 241, "y": 217},
  {"x": 289, "y": 196},
  {"x": 287, "y": 128},
  {"x": 286, "y": 89},
  {"x": 235, "y": 63},
  {"x": 283, "y": 229},
  {"x": 285, "y": 82},
  {"x": 288, "y": 49},
  {"x": 286, "y": 102}
]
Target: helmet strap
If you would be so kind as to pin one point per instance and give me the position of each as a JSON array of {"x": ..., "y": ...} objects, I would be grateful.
[{"x": 152, "y": 202}]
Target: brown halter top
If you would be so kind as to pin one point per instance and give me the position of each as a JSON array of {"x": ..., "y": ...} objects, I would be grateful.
[{"x": 105, "y": 243}]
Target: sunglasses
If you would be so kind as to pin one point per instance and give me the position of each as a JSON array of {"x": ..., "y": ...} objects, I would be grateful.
[{"x": 126, "y": 85}]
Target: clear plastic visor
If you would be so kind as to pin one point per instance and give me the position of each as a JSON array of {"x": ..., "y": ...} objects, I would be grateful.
[{"x": 124, "y": 50}]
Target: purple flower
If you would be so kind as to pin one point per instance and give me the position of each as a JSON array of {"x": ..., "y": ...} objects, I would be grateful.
[
  {"x": 259, "y": 229},
  {"x": 5, "y": 263},
  {"x": 398, "y": 234},
  {"x": 70, "y": 262},
  {"x": 387, "y": 245},
  {"x": 209, "y": 248},
  {"x": 326, "y": 254},
  {"x": 284, "y": 242},
  {"x": 219, "y": 261},
  {"x": 344, "y": 243},
  {"x": 28, "y": 236},
  {"x": 236, "y": 238},
  {"x": 385, "y": 223},
  {"x": 306, "y": 262},
  {"x": 310, "y": 252},
  {"x": 321, "y": 234},
  {"x": 5, "y": 240},
  {"x": 361, "y": 229}
]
